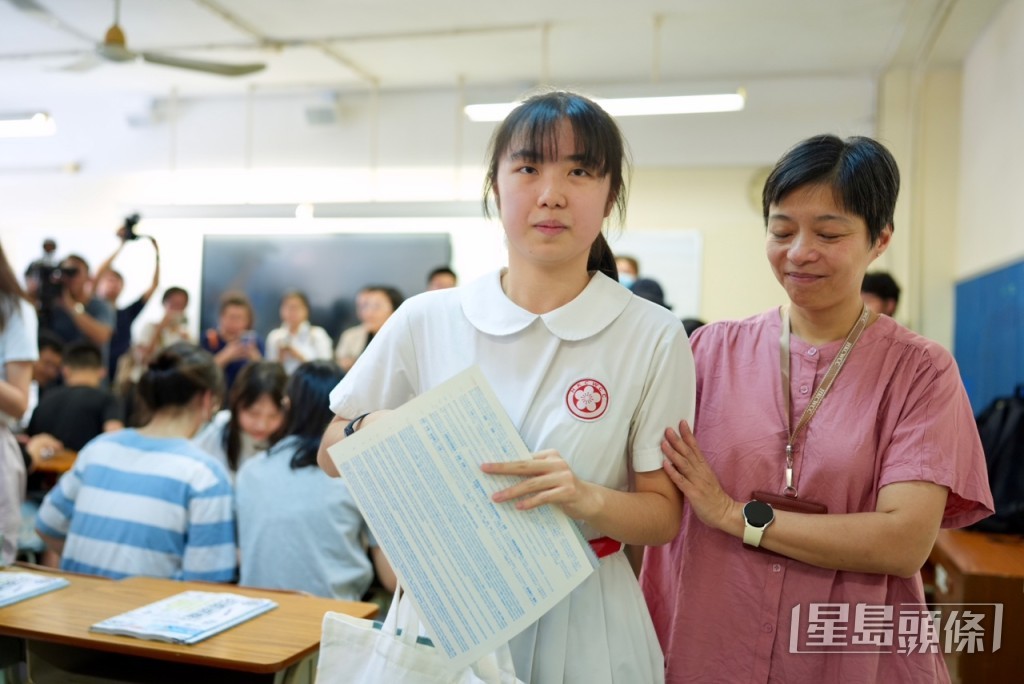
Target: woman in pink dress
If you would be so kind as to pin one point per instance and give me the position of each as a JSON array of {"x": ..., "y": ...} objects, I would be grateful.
[{"x": 829, "y": 446}]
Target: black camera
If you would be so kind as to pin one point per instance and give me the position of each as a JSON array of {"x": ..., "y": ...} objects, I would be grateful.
[
  {"x": 128, "y": 232},
  {"x": 52, "y": 280}
]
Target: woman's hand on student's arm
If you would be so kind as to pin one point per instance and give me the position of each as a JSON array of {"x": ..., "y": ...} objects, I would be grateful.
[
  {"x": 335, "y": 432},
  {"x": 690, "y": 473}
]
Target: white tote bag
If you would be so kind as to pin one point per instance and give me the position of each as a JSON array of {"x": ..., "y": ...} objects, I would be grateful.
[{"x": 357, "y": 651}]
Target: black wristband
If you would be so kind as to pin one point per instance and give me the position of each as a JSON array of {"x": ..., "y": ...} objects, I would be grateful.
[{"x": 354, "y": 424}]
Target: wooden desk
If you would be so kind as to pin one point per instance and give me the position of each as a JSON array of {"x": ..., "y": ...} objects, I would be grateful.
[
  {"x": 55, "y": 627},
  {"x": 59, "y": 463},
  {"x": 976, "y": 567}
]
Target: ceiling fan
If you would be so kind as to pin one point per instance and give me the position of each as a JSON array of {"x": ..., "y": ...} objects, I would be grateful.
[{"x": 114, "y": 48}]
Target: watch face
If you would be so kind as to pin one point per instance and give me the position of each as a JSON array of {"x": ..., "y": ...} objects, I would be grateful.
[{"x": 758, "y": 513}]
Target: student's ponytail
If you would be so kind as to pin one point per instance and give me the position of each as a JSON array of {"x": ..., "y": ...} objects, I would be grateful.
[{"x": 602, "y": 259}]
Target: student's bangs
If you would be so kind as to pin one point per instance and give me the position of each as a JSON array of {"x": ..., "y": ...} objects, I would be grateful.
[{"x": 532, "y": 129}]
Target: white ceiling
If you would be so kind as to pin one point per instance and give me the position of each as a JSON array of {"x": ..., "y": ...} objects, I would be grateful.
[{"x": 399, "y": 44}]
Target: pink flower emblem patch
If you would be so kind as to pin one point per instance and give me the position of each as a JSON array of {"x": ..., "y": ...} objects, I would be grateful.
[{"x": 587, "y": 399}]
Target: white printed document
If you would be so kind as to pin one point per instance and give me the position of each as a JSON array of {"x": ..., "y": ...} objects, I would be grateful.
[
  {"x": 185, "y": 618},
  {"x": 477, "y": 572}
]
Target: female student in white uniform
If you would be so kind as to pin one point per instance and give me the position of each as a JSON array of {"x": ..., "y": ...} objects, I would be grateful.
[{"x": 548, "y": 333}]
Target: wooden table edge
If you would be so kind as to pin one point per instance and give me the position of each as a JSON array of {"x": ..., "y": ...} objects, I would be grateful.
[{"x": 166, "y": 651}]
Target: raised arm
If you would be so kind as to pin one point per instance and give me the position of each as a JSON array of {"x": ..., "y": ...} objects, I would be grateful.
[
  {"x": 105, "y": 267},
  {"x": 156, "y": 272}
]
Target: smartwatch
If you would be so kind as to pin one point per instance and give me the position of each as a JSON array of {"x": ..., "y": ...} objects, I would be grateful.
[{"x": 757, "y": 516}]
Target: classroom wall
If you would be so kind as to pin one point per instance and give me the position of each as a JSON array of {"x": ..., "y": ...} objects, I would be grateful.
[
  {"x": 921, "y": 126},
  {"x": 737, "y": 280},
  {"x": 936, "y": 176},
  {"x": 990, "y": 232},
  {"x": 920, "y": 120}
]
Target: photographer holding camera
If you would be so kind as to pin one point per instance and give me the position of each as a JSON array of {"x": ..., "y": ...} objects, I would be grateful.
[
  {"x": 109, "y": 285},
  {"x": 70, "y": 311}
]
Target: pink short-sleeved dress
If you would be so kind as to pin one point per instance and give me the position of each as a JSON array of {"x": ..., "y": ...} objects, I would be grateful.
[{"x": 897, "y": 412}]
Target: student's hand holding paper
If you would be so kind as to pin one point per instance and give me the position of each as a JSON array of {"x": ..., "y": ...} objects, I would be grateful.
[
  {"x": 549, "y": 480},
  {"x": 478, "y": 572},
  {"x": 648, "y": 515}
]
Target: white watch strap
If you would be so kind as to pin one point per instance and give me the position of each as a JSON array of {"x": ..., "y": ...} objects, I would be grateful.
[{"x": 752, "y": 535}]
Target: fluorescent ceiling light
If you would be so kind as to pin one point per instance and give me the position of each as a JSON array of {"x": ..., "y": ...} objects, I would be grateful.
[
  {"x": 632, "y": 106},
  {"x": 30, "y": 125}
]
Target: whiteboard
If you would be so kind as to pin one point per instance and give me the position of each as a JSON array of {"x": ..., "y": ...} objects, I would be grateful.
[{"x": 673, "y": 258}]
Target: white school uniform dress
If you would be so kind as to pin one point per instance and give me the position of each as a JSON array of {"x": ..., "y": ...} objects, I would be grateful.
[{"x": 599, "y": 379}]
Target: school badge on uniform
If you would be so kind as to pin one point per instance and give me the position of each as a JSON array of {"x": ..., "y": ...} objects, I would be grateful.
[{"x": 587, "y": 399}]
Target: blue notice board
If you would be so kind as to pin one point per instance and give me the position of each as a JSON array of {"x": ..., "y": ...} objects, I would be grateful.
[{"x": 988, "y": 338}]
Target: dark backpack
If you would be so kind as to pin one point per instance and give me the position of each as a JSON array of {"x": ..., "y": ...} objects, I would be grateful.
[{"x": 1001, "y": 427}]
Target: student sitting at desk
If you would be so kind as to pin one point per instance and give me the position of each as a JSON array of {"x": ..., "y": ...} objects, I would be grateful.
[
  {"x": 81, "y": 408},
  {"x": 147, "y": 501},
  {"x": 298, "y": 528},
  {"x": 253, "y": 419}
]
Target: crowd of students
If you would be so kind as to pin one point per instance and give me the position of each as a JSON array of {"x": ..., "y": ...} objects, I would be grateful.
[
  {"x": 156, "y": 500},
  {"x": 162, "y": 497},
  {"x": 806, "y": 455}
]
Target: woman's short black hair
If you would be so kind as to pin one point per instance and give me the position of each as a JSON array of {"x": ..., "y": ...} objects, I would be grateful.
[
  {"x": 861, "y": 172},
  {"x": 309, "y": 411}
]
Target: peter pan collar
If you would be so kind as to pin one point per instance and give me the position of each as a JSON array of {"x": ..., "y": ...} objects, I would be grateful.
[{"x": 492, "y": 313}]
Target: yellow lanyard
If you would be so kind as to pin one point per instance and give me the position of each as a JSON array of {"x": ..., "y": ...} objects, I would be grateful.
[{"x": 819, "y": 394}]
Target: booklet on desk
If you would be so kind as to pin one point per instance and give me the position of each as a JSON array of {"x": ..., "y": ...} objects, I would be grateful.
[
  {"x": 18, "y": 586},
  {"x": 185, "y": 618}
]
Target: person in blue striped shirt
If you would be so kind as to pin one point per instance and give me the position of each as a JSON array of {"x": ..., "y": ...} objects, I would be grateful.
[{"x": 147, "y": 501}]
